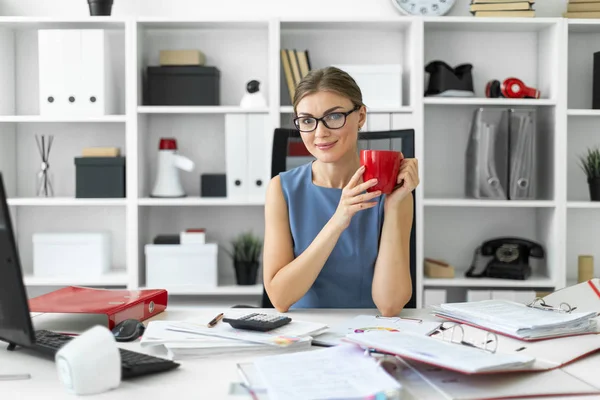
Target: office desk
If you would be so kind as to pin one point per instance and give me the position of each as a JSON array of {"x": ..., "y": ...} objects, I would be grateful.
[{"x": 202, "y": 378}]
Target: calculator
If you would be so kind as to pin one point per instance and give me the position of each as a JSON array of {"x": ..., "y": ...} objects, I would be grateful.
[{"x": 258, "y": 322}]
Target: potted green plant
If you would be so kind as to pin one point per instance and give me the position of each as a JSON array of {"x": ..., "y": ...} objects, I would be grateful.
[
  {"x": 590, "y": 163},
  {"x": 247, "y": 248}
]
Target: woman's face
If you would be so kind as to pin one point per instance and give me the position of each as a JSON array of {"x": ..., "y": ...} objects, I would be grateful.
[{"x": 329, "y": 144}]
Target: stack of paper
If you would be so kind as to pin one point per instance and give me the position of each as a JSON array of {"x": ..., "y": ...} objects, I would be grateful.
[
  {"x": 446, "y": 354},
  {"x": 518, "y": 320},
  {"x": 341, "y": 372},
  {"x": 193, "y": 338}
]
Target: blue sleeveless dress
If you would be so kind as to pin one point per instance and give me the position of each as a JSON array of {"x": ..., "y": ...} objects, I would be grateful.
[{"x": 346, "y": 278}]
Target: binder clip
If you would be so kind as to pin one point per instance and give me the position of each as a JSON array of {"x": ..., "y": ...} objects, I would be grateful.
[
  {"x": 540, "y": 304},
  {"x": 490, "y": 337}
]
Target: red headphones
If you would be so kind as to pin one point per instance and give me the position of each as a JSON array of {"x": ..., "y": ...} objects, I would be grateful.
[{"x": 512, "y": 88}]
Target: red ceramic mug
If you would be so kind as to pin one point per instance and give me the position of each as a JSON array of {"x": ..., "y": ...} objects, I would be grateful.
[{"x": 384, "y": 165}]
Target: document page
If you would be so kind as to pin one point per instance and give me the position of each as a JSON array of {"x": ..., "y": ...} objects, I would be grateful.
[
  {"x": 441, "y": 353},
  {"x": 364, "y": 323},
  {"x": 341, "y": 372}
]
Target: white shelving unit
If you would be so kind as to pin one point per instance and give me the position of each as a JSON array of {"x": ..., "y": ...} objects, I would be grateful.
[{"x": 551, "y": 54}]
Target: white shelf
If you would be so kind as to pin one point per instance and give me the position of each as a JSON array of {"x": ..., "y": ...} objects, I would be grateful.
[
  {"x": 198, "y": 201},
  {"x": 117, "y": 278},
  {"x": 28, "y": 22},
  {"x": 583, "y": 204},
  {"x": 483, "y": 101},
  {"x": 64, "y": 202},
  {"x": 583, "y": 112},
  {"x": 487, "y": 203},
  {"x": 591, "y": 25},
  {"x": 391, "y": 110},
  {"x": 229, "y": 290},
  {"x": 488, "y": 24},
  {"x": 459, "y": 281},
  {"x": 41, "y": 118},
  {"x": 199, "y": 110}
]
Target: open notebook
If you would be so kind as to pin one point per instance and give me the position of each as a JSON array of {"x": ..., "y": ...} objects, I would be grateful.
[{"x": 518, "y": 320}]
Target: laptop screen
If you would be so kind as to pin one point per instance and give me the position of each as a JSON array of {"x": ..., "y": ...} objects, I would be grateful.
[{"x": 15, "y": 319}]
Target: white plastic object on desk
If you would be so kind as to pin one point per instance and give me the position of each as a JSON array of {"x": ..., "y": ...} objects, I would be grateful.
[
  {"x": 90, "y": 363},
  {"x": 73, "y": 254}
]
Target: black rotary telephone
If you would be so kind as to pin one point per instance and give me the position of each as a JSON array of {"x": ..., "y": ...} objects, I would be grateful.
[{"x": 509, "y": 258}]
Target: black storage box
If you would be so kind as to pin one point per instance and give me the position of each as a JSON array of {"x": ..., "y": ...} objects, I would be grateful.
[
  {"x": 99, "y": 177},
  {"x": 213, "y": 185},
  {"x": 182, "y": 86}
]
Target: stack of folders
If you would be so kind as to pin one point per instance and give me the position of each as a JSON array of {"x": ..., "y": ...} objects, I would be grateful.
[
  {"x": 194, "y": 339},
  {"x": 520, "y": 321}
]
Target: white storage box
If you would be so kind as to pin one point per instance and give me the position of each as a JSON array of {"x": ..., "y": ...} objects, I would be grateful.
[
  {"x": 69, "y": 255},
  {"x": 75, "y": 72},
  {"x": 192, "y": 265},
  {"x": 381, "y": 85}
]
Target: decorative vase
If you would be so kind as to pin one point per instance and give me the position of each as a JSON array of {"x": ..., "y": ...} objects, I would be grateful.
[
  {"x": 245, "y": 272},
  {"x": 594, "y": 185},
  {"x": 44, "y": 180},
  {"x": 100, "y": 7}
]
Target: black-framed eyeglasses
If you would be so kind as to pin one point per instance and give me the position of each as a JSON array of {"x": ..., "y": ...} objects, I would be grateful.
[{"x": 334, "y": 120}]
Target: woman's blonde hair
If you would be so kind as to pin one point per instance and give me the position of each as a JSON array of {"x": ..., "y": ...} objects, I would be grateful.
[{"x": 328, "y": 79}]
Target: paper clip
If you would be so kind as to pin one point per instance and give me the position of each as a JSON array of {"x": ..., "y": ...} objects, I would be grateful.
[
  {"x": 396, "y": 319},
  {"x": 490, "y": 337},
  {"x": 540, "y": 304}
]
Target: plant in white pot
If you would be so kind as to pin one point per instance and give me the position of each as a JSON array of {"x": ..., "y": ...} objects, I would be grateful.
[
  {"x": 590, "y": 163},
  {"x": 247, "y": 248}
]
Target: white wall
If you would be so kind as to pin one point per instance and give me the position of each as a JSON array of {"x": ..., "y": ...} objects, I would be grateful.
[{"x": 246, "y": 8}]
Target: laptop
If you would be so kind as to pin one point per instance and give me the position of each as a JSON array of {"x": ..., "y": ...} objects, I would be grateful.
[{"x": 16, "y": 327}]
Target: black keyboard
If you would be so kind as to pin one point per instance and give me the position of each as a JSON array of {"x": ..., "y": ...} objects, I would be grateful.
[{"x": 132, "y": 363}]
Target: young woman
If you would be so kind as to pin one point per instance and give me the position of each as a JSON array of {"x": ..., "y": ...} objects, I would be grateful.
[{"x": 329, "y": 243}]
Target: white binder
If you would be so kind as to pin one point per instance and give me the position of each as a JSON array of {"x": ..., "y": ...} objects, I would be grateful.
[
  {"x": 236, "y": 156},
  {"x": 248, "y": 156},
  {"x": 75, "y": 77}
]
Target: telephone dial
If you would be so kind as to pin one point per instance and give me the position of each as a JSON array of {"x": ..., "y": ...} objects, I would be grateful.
[{"x": 509, "y": 258}]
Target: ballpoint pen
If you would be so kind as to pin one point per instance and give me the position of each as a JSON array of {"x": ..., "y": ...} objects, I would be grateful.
[{"x": 215, "y": 320}]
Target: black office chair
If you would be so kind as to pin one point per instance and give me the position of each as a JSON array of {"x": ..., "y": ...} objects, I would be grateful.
[{"x": 288, "y": 152}]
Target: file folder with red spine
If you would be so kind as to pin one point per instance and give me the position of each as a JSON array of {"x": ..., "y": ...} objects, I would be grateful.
[{"x": 117, "y": 304}]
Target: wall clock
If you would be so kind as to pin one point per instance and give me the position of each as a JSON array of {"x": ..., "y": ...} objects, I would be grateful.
[{"x": 424, "y": 7}]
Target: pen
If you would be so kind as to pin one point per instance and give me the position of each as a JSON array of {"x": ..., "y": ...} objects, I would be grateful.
[
  {"x": 14, "y": 377},
  {"x": 215, "y": 320}
]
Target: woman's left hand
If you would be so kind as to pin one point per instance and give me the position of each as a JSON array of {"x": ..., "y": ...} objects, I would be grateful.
[{"x": 408, "y": 179}]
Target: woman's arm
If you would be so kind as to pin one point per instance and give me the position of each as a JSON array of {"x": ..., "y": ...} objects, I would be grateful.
[
  {"x": 286, "y": 278},
  {"x": 392, "y": 285}
]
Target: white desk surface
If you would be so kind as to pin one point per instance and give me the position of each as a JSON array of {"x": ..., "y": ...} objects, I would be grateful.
[{"x": 202, "y": 378}]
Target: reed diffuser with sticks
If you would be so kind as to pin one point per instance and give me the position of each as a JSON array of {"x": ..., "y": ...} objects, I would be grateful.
[{"x": 44, "y": 179}]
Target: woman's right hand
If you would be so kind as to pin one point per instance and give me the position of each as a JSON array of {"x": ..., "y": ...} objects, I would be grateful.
[{"x": 353, "y": 199}]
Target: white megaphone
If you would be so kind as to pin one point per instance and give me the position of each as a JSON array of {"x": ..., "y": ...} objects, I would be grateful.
[{"x": 169, "y": 162}]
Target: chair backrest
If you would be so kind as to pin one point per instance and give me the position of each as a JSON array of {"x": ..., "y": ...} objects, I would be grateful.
[{"x": 289, "y": 151}]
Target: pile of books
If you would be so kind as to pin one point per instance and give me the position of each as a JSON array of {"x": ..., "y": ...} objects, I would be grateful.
[
  {"x": 583, "y": 9},
  {"x": 502, "y": 8},
  {"x": 296, "y": 64}
]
